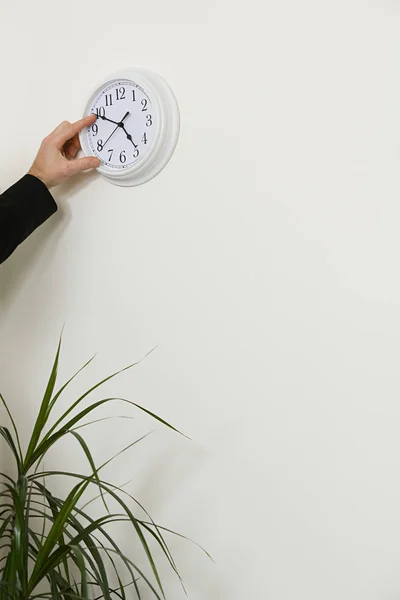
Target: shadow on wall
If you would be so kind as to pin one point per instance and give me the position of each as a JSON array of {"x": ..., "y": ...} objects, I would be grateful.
[{"x": 36, "y": 252}]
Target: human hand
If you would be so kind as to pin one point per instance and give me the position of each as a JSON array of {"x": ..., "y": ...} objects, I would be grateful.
[{"x": 56, "y": 160}]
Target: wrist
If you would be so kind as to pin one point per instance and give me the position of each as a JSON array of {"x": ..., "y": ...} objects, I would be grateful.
[{"x": 36, "y": 173}]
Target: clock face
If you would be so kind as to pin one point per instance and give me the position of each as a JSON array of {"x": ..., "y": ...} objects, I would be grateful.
[{"x": 125, "y": 127}]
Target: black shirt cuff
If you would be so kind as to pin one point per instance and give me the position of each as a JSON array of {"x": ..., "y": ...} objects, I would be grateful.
[{"x": 34, "y": 200}]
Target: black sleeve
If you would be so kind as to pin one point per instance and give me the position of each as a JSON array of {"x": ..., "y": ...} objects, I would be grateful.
[{"x": 23, "y": 207}]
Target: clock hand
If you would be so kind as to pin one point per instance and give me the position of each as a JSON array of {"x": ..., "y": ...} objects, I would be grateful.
[
  {"x": 128, "y": 135},
  {"x": 123, "y": 118},
  {"x": 120, "y": 124}
]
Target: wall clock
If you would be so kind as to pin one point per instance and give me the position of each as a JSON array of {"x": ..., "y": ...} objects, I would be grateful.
[{"x": 137, "y": 126}]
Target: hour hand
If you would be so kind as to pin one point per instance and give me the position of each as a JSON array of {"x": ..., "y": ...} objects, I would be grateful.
[{"x": 123, "y": 119}]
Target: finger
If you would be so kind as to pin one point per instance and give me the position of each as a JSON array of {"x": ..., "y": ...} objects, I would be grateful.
[
  {"x": 61, "y": 127},
  {"x": 65, "y": 131},
  {"x": 83, "y": 164}
]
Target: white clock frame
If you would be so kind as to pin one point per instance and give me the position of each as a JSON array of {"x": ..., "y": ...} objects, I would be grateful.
[{"x": 166, "y": 110}]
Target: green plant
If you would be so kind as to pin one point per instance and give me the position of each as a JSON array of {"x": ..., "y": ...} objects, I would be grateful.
[{"x": 52, "y": 547}]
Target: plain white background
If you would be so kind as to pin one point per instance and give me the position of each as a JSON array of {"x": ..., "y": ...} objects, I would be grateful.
[{"x": 263, "y": 262}]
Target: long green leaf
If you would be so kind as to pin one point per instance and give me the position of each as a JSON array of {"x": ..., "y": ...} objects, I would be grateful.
[
  {"x": 76, "y": 525},
  {"x": 9, "y": 479},
  {"x": 67, "y": 579},
  {"x": 57, "y": 528},
  {"x": 82, "y": 567},
  {"x": 89, "y": 456},
  {"x": 19, "y": 541},
  {"x": 48, "y": 441},
  {"x": 5, "y": 589},
  {"x": 142, "y": 576},
  {"x": 184, "y": 538},
  {"x": 170, "y": 560},
  {"x": 43, "y": 412},
  {"x": 54, "y": 511},
  {"x": 132, "y": 519},
  {"x": 60, "y": 586},
  {"x": 160, "y": 538},
  {"x": 101, "y": 574},
  {"x": 14, "y": 427},
  {"x": 97, "y": 385},
  {"x": 103, "y": 419},
  {"x": 60, "y": 391},
  {"x": 4, "y": 526},
  {"x": 8, "y": 437}
]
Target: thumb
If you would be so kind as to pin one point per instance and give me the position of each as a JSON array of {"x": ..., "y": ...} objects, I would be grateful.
[{"x": 84, "y": 164}]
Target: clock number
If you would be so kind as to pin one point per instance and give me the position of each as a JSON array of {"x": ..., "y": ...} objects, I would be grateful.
[
  {"x": 99, "y": 145},
  {"x": 149, "y": 120},
  {"x": 122, "y": 157},
  {"x": 101, "y": 112},
  {"x": 136, "y": 153},
  {"x": 144, "y": 138},
  {"x": 95, "y": 129},
  {"x": 110, "y": 153},
  {"x": 120, "y": 93},
  {"x": 133, "y": 96},
  {"x": 108, "y": 100},
  {"x": 144, "y": 104}
]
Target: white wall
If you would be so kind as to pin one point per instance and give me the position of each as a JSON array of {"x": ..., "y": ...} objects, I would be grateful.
[{"x": 264, "y": 262}]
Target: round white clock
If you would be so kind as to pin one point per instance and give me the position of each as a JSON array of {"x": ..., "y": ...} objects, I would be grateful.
[{"x": 137, "y": 126}]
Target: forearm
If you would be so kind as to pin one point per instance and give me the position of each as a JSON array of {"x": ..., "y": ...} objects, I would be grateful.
[{"x": 23, "y": 207}]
